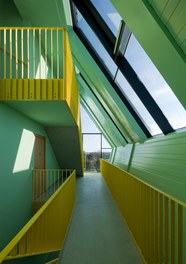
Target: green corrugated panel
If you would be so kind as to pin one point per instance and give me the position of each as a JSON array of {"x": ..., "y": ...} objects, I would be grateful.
[{"x": 162, "y": 163}]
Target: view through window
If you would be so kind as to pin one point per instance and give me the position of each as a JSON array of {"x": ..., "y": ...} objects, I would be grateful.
[{"x": 95, "y": 146}]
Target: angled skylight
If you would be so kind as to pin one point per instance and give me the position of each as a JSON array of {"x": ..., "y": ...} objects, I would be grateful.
[
  {"x": 96, "y": 44},
  {"x": 108, "y": 13},
  {"x": 155, "y": 84},
  {"x": 137, "y": 104}
]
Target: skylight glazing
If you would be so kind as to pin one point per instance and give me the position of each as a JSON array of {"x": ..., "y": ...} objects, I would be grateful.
[
  {"x": 109, "y": 14},
  {"x": 137, "y": 105},
  {"x": 96, "y": 44},
  {"x": 155, "y": 84}
]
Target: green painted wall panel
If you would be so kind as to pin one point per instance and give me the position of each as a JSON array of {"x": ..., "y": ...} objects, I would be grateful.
[
  {"x": 9, "y": 15},
  {"x": 16, "y": 187},
  {"x": 162, "y": 163},
  {"x": 122, "y": 156}
]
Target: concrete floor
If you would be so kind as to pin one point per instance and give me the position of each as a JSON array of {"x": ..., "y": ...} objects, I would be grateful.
[{"x": 97, "y": 234}]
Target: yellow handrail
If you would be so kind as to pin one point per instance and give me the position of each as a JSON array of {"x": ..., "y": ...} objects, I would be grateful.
[
  {"x": 154, "y": 218},
  {"x": 46, "y": 230},
  {"x": 47, "y": 181}
]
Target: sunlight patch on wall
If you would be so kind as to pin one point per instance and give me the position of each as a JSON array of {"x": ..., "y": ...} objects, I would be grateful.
[{"x": 24, "y": 153}]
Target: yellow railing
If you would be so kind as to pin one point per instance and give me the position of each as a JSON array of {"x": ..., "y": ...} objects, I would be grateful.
[
  {"x": 47, "y": 181},
  {"x": 46, "y": 230},
  {"x": 154, "y": 218}
]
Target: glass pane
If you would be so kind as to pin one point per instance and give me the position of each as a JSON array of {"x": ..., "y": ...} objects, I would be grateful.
[
  {"x": 105, "y": 143},
  {"x": 92, "y": 151},
  {"x": 87, "y": 124},
  {"x": 137, "y": 104},
  {"x": 155, "y": 84},
  {"x": 109, "y": 14},
  {"x": 96, "y": 44}
]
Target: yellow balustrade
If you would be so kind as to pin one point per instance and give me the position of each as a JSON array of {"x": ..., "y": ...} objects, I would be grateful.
[
  {"x": 47, "y": 181},
  {"x": 154, "y": 219},
  {"x": 46, "y": 230}
]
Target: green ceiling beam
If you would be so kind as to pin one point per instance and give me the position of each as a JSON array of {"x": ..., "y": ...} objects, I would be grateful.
[{"x": 157, "y": 42}]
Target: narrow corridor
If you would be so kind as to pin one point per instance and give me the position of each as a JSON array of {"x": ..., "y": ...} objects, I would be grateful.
[{"x": 97, "y": 234}]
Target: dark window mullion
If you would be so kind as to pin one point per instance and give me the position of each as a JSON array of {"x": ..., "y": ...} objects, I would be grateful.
[{"x": 144, "y": 95}]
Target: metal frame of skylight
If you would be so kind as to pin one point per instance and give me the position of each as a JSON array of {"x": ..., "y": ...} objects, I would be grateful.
[{"x": 103, "y": 32}]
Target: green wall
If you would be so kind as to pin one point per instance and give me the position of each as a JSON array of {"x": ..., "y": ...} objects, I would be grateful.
[
  {"x": 159, "y": 161},
  {"x": 16, "y": 188},
  {"x": 9, "y": 15}
]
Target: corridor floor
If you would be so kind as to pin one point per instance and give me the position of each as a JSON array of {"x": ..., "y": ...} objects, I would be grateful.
[{"x": 97, "y": 233}]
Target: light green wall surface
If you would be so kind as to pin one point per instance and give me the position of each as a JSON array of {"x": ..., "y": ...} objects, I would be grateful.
[
  {"x": 157, "y": 42},
  {"x": 123, "y": 156},
  {"x": 16, "y": 188}
]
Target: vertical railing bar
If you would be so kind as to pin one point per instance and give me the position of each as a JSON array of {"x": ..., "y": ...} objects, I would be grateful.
[
  {"x": 165, "y": 230},
  {"x": 54, "y": 180},
  {"x": 43, "y": 181},
  {"x": 10, "y": 53},
  {"x": 4, "y": 53},
  {"x": 47, "y": 183},
  {"x": 22, "y": 54},
  {"x": 40, "y": 175},
  {"x": 28, "y": 54},
  {"x": 160, "y": 228},
  {"x": 45, "y": 53},
  {"x": 57, "y": 54},
  {"x": 58, "y": 177},
  {"x": 52, "y": 62},
  {"x": 156, "y": 216},
  {"x": 149, "y": 224},
  {"x": 172, "y": 233},
  {"x": 33, "y": 185},
  {"x": 40, "y": 53},
  {"x": 152, "y": 233},
  {"x": 180, "y": 234},
  {"x": 34, "y": 54},
  {"x": 26, "y": 243},
  {"x": 16, "y": 44}
]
